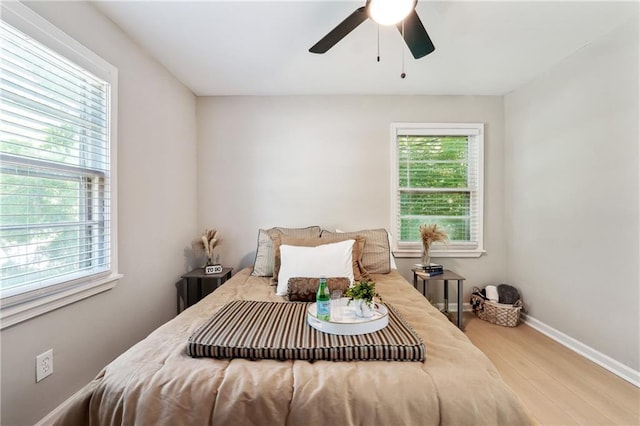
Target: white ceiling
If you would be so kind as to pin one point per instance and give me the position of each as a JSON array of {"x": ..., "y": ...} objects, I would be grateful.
[{"x": 261, "y": 47}]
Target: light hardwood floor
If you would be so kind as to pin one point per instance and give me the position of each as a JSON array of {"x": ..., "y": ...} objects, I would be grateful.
[{"x": 556, "y": 385}]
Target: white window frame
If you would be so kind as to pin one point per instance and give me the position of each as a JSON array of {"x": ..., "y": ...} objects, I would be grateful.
[
  {"x": 15, "y": 309},
  {"x": 414, "y": 250}
]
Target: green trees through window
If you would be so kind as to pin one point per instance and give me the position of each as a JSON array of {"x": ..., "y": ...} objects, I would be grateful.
[
  {"x": 433, "y": 182},
  {"x": 43, "y": 211}
]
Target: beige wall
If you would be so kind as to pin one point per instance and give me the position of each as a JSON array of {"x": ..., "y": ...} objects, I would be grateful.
[
  {"x": 572, "y": 195},
  {"x": 324, "y": 160},
  {"x": 157, "y": 215}
]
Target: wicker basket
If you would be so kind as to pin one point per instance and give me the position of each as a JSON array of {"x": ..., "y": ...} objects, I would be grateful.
[{"x": 496, "y": 313}]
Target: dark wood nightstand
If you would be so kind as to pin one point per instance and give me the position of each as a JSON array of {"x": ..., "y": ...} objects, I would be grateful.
[{"x": 191, "y": 288}]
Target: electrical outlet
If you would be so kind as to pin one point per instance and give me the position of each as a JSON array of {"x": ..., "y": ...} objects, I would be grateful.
[{"x": 44, "y": 365}]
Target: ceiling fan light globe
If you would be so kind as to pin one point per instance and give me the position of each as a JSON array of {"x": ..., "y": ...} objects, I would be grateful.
[{"x": 389, "y": 12}]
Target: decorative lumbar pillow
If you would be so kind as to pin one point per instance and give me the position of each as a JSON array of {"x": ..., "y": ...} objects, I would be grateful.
[
  {"x": 303, "y": 289},
  {"x": 263, "y": 265},
  {"x": 329, "y": 260},
  {"x": 376, "y": 254},
  {"x": 359, "y": 273}
]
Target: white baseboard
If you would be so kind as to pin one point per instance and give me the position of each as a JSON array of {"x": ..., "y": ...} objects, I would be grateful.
[{"x": 627, "y": 373}]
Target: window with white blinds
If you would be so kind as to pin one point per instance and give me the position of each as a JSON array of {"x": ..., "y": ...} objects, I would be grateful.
[
  {"x": 56, "y": 198},
  {"x": 437, "y": 178}
]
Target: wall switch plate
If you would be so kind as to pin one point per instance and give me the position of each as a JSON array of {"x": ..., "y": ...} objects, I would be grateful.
[{"x": 44, "y": 365}]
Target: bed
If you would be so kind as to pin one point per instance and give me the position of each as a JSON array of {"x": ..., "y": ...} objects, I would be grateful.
[{"x": 157, "y": 383}]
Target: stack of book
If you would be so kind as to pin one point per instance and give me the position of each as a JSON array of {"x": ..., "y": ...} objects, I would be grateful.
[{"x": 429, "y": 270}]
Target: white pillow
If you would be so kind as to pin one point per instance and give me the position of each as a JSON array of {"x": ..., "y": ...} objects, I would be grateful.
[
  {"x": 392, "y": 260},
  {"x": 329, "y": 260}
]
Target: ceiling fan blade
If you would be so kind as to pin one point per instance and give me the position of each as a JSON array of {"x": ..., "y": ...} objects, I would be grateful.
[
  {"x": 339, "y": 32},
  {"x": 416, "y": 36}
]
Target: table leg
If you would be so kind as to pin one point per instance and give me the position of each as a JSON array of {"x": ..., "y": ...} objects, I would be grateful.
[
  {"x": 460, "y": 304},
  {"x": 446, "y": 296},
  {"x": 178, "y": 291},
  {"x": 187, "y": 294},
  {"x": 199, "y": 289},
  {"x": 184, "y": 287},
  {"x": 415, "y": 280}
]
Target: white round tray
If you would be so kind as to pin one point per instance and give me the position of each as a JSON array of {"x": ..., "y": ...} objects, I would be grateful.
[{"x": 344, "y": 320}]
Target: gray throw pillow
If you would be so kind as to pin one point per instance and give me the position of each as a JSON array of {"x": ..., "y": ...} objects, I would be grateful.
[{"x": 265, "y": 256}]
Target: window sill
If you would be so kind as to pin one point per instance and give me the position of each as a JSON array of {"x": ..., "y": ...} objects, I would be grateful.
[
  {"x": 438, "y": 253},
  {"x": 12, "y": 315}
]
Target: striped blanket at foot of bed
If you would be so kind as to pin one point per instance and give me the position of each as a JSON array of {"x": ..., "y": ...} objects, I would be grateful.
[{"x": 275, "y": 330}]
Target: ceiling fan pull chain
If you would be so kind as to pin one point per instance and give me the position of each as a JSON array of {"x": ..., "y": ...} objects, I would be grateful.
[
  {"x": 378, "y": 42},
  {"x": 403, "y": 75}
]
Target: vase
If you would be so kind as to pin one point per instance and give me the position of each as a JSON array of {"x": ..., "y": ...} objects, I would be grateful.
[
  {"x": 363, "y": 310},
  {"x": 426, "y": 258}
]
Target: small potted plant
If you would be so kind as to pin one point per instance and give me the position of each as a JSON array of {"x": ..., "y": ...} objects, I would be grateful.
[{"x": 363, "y": 293}]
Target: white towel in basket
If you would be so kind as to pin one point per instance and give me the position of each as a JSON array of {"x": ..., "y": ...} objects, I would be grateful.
[{"x": 492, "y": 292}]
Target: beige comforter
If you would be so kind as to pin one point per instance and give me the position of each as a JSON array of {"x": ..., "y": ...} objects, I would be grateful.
[{"x": 157, "y": 383}]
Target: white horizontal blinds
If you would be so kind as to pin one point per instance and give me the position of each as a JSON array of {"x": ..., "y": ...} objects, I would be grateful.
[
  {"x": 475, "y": 191},
  {"x": 438, "y": 181},
  {"x": 54, "y": 181}
]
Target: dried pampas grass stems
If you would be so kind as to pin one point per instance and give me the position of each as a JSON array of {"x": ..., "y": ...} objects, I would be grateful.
[
  {"x": 431, "y": 234},
  {"x": 206, "y": 243}
]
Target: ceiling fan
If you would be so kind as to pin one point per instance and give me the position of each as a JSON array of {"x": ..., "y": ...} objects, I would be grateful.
[{"x": 401, "y": 13}]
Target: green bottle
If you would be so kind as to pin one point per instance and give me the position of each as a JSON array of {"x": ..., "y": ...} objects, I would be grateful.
[{"x": 323, "y": 301}]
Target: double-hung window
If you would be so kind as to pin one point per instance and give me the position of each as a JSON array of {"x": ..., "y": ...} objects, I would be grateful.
[
  {"x": 57, "y": 164},
  {"x": 437, "y": 178}
]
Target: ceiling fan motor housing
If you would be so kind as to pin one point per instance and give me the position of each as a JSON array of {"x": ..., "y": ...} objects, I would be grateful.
[{"x": 389, "y": 12}]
